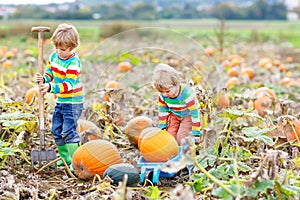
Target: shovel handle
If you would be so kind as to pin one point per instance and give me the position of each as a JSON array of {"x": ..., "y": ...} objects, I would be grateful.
[{"x": 41, "y": 30}]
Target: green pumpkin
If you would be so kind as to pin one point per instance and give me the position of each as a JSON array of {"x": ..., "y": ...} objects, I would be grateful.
[{"x": 116, "y": 173}]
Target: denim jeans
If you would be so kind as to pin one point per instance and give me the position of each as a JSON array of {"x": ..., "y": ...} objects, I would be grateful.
[{"x": 64, "y": 123}]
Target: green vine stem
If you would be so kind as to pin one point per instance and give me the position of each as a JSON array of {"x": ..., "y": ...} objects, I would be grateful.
[
  {"x": 214, "y": 179},
  {"x": 228, "y": 132}
]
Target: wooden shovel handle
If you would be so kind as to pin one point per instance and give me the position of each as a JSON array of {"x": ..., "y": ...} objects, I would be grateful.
[{"x": 41, "y": 30}]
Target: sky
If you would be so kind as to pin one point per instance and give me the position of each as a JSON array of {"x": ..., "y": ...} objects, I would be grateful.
[{"x": 32, "y": 1}]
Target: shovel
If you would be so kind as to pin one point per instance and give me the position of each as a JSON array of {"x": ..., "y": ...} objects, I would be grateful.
[{"x": 41, "y": 155}]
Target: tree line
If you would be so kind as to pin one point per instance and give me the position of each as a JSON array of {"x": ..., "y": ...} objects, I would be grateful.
[{"x": 257, "y": 10}]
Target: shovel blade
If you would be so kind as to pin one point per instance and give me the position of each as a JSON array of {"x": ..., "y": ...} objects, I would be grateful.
[{"x": 42, "y": 156}]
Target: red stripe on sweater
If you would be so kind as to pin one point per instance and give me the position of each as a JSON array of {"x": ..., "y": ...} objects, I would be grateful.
[
  {"x": 191, "y": 103},
  {"x": 49, "y": 75},
  {"x": 161, "y": 101},
  {"x": 71, "y": 71},
  {"x": 58, "y": 71},
  {"x": 73, "y": 91},
  {"x": 65, "y": 86},
  {"x": 196, "y": 124},
  {"x": 179, "y": 108},
  {"x": 162, "y": 117}
]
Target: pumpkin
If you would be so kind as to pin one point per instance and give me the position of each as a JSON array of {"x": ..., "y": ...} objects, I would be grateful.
[
  {"x": 247, "y": 71},
  {"x": 88, "y": 130},
  {"x": 124, "y": 66},
  {"x": 135, "y": 126},
  {"x": 157, "y": 145},
  {"x": 110, "y": 87},
  {"x": 114, "y": 85},
  {"x": 7, "y": 64},
  {"x": 31, "y": 95},
  {"x": 287, "y": 124},
  {"x": 116, "y": 173},
  {"x": 209, "y": 51},
  {"x": 223, "y": 101},
  {"x": 232, "y": 72},
  {"x": 231, "y": 82},
  {"x": 264, "y": 100},
  {"x": 94, "y": 157}
]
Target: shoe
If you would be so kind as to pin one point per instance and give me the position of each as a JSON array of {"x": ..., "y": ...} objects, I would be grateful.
[
  {"x": 64, "y": 153},
  {"x": 72, "y": 147}
]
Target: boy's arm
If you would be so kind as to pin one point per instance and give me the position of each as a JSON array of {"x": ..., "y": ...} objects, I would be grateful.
[
  {"x": 193, "y": 107},
  {"x": 163, "y": 113},
  {"x": 48, "y": 74}
]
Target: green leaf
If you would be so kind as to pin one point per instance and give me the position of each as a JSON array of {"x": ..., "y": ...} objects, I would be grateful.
[
  {"x": 134, "y": 60},
  {"x": 14, "y": 124},
  {"x": 252, "y": 132},
  {"x": 8, "y": 151},
  {"x": 257, "y": 133},
  {"x": 243, "y": 167},
  {"x": 4, "y": 144},
  {"x": 198, "y": 184},
  {"x": 153, "y": 193},
  {"x": 233, "y": 114},
  {"x": 222, "y": 194},
  {"x": 266, "y": 140},
  {"x": 16, "y": 116},
  {"x": 259, "y": 187},
  {"x": 289, "y": 190}
]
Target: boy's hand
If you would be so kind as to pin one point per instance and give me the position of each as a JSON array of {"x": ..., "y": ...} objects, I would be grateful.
[
  {"x": 45, "y": 88},
  {"x": 197, "y": 140},
  {"x": 38, "y": 78}
]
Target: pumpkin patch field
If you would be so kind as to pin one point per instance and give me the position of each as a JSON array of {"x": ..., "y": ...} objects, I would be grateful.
[{"x": 248, "y": 86}]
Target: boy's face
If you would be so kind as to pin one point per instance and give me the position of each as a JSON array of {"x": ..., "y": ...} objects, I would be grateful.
[
  {"x": 63, "y": 52},
  {"x": 171, "y": 92}
]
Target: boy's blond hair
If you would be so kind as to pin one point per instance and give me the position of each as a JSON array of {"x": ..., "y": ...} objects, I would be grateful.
[
  {"x": 65, "y": 35},
  {"x": 165, "y": 77}
]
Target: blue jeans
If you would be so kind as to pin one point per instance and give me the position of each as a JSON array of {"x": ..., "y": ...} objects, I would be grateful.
[{"x": 64, "y": 123}]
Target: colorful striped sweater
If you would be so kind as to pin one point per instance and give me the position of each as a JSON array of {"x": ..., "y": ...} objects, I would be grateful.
[
  {"x": 186, "y": 104},
  {"x": 64, "y": 78}
]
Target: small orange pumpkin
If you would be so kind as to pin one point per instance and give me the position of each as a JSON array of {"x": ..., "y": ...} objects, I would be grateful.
[
  {"x": 135, "y": 126},
  {"x": 94, "y": 157},
  {"x": 157, "y": 145},
  {"x": 247, "y": 71},
  {"x": 231, "y": 82},
  {"x": 223, "y": 101},
  {"x": 209, "y": 51},
  {"x": 31, "y": 95},
  {"x": 264, "y": 100},
  {"x": 110, "y": 86},
  {"x": 88, "y": 130},
  {"x": 124, "y": 66},
  {"x": 287, "y": 129},
  {"x": 7, "y": 64}
]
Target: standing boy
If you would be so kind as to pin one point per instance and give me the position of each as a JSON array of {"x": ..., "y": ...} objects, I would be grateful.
[{"x": 63, "y": 78}]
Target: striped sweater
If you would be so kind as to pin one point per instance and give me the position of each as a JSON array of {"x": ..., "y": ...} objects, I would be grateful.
[
  {"x": 185, "y": 104},
  {"x": 64, "y": 78}
]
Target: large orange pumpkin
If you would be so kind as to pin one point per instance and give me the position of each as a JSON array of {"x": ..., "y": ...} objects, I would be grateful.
[
  {"x": 157, "y": 145},
  {"x": 135, "y": 126},
  {"x": 94, "y": 157},
  {"x": 88, "y": 130}
]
